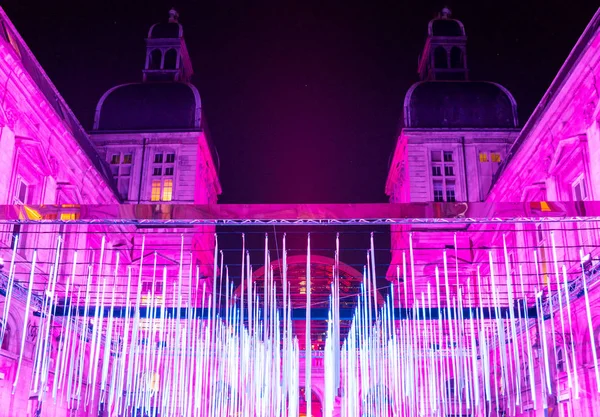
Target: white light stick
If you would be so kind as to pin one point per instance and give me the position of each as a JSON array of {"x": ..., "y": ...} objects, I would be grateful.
[
  {"x": 308, "y": 350},
  {"x": 588, "y": 312},
  {"x": 542, "y": 324},
  {"x": 512, "y": 320},
  {"x": 59, "y": 371},
  {"x": 9, "y": 288},
  {"x": 412, "y": 266},
  {"x": 560, "y": 308},
  {"x": 25, "y": 321},
  {"x": 573, "y": 357},
  {"x": 528, "y": 340}
]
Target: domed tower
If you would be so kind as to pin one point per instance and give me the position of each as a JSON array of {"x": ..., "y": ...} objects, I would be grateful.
[
  {"x": 152, "y": 132},
  {"x": 456, "y": 132}
]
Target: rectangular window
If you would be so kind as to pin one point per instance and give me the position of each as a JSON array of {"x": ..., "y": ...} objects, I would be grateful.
[
  {"x": 163, "y": 169},
  {"x": 438, "y": 191},
  {"x": 147, "y": 292},
  {"x": 540, "y": 237},
  {"x": 22, "y": 192},
  {"x": 492, "y": 156},
  {"x": 450, "y": 196},
  {"x": 156, "y": 186},
  {"x": 584, "y": 229},
  {"x": 579, "y": 191},
  {"x": 147, "y": 287},
  {"x": 123, "y": 187},
  {"x": 69, "y": 216},
  {"x": 540, "y": 234},
  {"x": 511, "y": 261},
  {"x": 16, "y": 231},
  {"x": 121, "y": 165},
  {"x": 442, "y": 171},
  {"x": 167, "y": 192}
]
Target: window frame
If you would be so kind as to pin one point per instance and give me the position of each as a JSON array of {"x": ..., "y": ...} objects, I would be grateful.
[
  {"x": 581, "y": 183},
  {"x": 444, "y": 165},
  {"x": 122, "y": 176},
  {"x": 162, "y": 184}
]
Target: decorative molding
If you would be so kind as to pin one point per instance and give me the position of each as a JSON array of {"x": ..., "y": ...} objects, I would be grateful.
[{"x": 564, "y": 147}]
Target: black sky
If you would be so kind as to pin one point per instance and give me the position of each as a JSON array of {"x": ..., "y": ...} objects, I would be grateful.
[{"x": 303, "y": 99}]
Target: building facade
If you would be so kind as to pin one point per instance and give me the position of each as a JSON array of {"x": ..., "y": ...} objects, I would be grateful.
[
  {"x": 461, "y": 144},
  {"x": 162, "y": 154},
  {"x": 441, "y": 157}
]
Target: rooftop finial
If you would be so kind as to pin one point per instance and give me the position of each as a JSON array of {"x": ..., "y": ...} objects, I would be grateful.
[
  {"x": 173, "y": 16},
  {"x": 446, "y": 13}
]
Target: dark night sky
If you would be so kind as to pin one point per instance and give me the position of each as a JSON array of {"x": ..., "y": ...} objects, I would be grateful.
[{"x": 303, "y": 99}]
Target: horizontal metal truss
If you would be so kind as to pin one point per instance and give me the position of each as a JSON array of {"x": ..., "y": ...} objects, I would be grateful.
[
  {"x": 172, "y": 215},
  {"x": 298, "y": 313}
]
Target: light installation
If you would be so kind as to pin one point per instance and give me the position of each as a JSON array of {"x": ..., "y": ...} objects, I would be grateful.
[{"x": 187, "y": 345}]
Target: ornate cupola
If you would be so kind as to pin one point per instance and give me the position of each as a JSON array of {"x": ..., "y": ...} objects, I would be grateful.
[
  {"x": 444, "y": 55},
  {"x": 167, "y": 57}
]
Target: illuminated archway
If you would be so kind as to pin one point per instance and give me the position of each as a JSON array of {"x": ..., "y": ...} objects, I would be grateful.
[{"x": 321, "y": 271}]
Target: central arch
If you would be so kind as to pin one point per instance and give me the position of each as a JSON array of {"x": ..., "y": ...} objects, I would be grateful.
[{"x": 321, "y": 271}]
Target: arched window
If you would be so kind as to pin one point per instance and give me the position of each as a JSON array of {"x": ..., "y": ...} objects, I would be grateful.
[
  {"x": 440, "y": 58},
  {"x": 456, "y": 58},
  {"x": 155, "y": 57},
  {"x": 170, "y": 59}
]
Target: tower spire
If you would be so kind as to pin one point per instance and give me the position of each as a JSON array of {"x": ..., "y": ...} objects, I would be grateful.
[
  {"x": 167, "y": 57},
  {"x": 444, "y": 54},
  {"x": 173, "y": 16}
]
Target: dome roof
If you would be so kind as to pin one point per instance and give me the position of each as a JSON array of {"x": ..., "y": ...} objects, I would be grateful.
[
  {"x": 149, "y": 107},
  {"x": 446, "y": 27},
  {"x": 165, "y": 30},
  {"x": 459, "y": 104}
]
